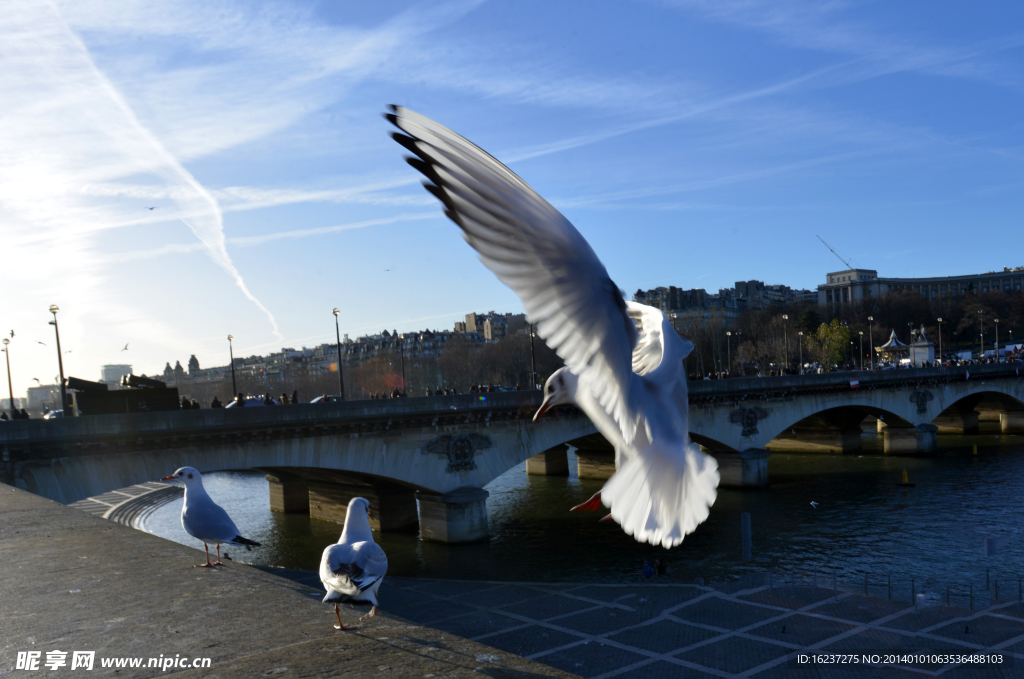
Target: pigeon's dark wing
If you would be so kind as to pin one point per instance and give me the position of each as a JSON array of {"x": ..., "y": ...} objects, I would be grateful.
[{"x": 534, "y": 250}]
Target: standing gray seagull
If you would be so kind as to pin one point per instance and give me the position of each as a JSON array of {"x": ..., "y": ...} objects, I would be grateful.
[
  {"x": 204, "y": 519},
  {"x": 353, "y": 569},
  {"x": 628, "y": 361}
]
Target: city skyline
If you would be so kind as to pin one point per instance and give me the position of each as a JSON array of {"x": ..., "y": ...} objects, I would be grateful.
[{"x": 175, "y": 172}]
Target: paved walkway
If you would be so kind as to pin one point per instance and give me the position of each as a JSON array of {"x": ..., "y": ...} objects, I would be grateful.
[
  {"x": 74, "y": 582},
  {"x": 683, "y": 631}
]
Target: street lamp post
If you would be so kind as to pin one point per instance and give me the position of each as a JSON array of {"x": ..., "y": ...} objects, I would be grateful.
[
  {"x": 341, "y": 370},
  {"x": 728, "y": 350},
  {"x": 533, "y": 359},
  {"x": 981, "y": 330},
  {"x": 234, "y": 383},
  {"x": 871, "y": 342},
  {"x": 785, "y": 317},
  {"x": 800, "y": 334},
  {"x": 940, "y": 341},
  {"x": 401, "y": 350},
  {"x": 861, "y": 333},
  {"x": 60, "y": 362},
  {"x": 997, "y": 340},
  {"x": 10, "y": 387}
]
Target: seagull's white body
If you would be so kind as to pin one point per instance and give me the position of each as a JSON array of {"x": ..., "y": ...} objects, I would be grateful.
[
  {"x": 626, "y": 358},
  {"x": 204, "y": 519},
  {"x": 353, "y": 569}
]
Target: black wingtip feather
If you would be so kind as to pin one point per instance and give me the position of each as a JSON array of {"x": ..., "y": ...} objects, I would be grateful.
[
  {"x": 409, "y": 144},
  {"x": 426, "y": 169},
  {"x": 440, "y": 194}
]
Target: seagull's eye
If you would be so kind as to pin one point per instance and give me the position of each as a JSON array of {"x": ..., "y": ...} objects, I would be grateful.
[{"x": 190, "y": 476}]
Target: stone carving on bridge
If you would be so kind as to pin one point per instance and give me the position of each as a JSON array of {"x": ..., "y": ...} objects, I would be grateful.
[
  {"x": 748, "y": 419},
  {"x": 458, "y": 449},
  {"x": 920, "y": 399}
]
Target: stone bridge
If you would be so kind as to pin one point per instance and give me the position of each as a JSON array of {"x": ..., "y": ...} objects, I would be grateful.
[{"x": 426, "y": 460}]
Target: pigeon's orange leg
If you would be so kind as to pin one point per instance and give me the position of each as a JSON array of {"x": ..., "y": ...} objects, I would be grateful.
[
  {"x": 207, "y": 564},
  {"x": 217, "y": 562},
  {"x": 372, "y": 613},
  {"x": 340, "y": 624},
  {"x": 591, "y": 505}
]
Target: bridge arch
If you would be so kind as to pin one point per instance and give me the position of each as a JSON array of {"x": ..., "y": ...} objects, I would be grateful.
[{"x": 964, "y": 415}]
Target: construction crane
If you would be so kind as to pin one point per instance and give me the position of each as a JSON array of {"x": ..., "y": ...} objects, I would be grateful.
[{"x": 848, "y": 265}]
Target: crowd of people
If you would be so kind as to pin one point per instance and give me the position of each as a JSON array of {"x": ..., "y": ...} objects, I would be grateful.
[
  {"x": 284, "y": 399},
  {"x": 15, "y": 415}
]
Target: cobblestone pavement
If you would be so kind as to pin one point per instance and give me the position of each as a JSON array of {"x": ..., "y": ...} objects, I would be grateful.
[{"x": 687, "y": 631}]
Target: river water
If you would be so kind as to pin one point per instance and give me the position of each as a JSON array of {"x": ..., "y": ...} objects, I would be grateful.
[{"x": 864, "y": 523}]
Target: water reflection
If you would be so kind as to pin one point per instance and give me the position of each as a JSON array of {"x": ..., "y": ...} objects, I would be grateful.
[{"x": 864, "y": 522}]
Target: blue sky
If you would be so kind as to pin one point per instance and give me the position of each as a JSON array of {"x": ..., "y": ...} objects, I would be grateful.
[{"x": 692, "y": 143}]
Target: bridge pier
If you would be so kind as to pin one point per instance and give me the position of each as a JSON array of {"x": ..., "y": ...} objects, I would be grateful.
[
  {"x": 1011, "y": 421},
  {"x": 552, "y": 462},
  {"x": 919, "y": 440},
  {"x": 392, "y": 507},
  {"x": 955, "y": 423},
  {"x": 820, "y": 440},
  {"x": 456, "y": 516},
  {"x": 747, "y": 469},
  {"x": 288, "y": 494}
]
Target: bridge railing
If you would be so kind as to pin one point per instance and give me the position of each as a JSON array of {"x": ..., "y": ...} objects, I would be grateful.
[
  {"x": 866, "y": 379},
  {"x": 185, "y": 422}
]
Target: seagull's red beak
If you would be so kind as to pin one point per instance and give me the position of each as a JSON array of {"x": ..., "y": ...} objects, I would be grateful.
[
  {"x": 168, "y": 478},
  {"x": 544, "y": 407}
]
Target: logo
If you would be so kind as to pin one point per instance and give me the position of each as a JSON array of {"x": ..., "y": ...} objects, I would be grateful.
[
  {"x": 920, "y": 399},
  {"x": 458, "y": 449}
]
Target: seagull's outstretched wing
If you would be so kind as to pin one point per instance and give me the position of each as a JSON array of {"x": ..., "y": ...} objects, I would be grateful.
[
  {"x": 534, "y": 250},
  {"x": 347, "y": 569}
]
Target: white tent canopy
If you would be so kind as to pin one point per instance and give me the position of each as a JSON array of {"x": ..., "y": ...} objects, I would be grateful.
[{"x": 892, "y": 345}]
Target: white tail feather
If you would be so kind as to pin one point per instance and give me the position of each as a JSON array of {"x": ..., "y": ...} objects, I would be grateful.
[{"x": 660, "y": 497}]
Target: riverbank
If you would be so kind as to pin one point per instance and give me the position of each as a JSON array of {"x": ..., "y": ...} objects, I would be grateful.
[{"x": 74, "y": 582}]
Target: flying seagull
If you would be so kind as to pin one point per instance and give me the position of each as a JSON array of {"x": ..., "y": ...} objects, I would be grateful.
[
  {"x": 204, "y": 519},
  {"x": 125, "y": 347},
  {"x": 37, "y": 381},
  {"x": 627, "y": 359},
  {"x": 12, "y": 333},
  {"x": 43, "y": 343},
  {"x": 814, "y": 504},
  {"x": 150, "y": 208},
  {"x": 353, "y": 569}
]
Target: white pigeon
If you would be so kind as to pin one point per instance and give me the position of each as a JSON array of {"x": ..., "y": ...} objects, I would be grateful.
[
  {"x": 204, "y": 519},
  {"x": 353, "y": 569},
  {"x": 630, "y": 375}
]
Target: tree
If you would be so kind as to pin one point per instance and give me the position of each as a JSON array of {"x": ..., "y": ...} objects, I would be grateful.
[{"x": 828, "y": 344}]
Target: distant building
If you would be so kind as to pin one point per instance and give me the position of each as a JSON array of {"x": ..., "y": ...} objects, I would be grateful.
[
  {"x": 492, "y": 326},
  {"x": 43, "y": 398},
  {"x": 856, "y": 285},
  {"x": 111, "y": 375},
  {"x": 19, "y": 403},
  {"x": 729, "y": 302}
]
